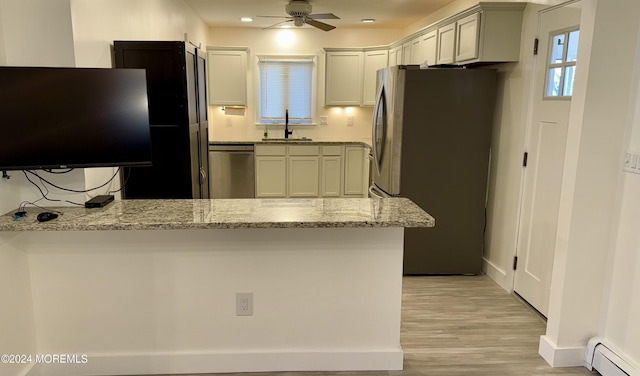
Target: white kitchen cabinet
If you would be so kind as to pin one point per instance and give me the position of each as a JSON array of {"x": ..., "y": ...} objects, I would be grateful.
[
  {"x": 331, "y": 171},
  {"x": 406, "y": 52},
  {"x": 227, "y": 76},
  {"x": 373, "y": 61},
  {"x": 304, "y": 171},
  {"x": 446, "y": 36},
  {"x": 429, "y": 47},
  {"x": 395, "y": 56},
  {"x": 467, "y": 36},
  {"x": 343, "y": 78},
  {"x": 355, "y": 177},
  {"x": 488, "y": 32},
  {"x": 415, "y": 51},
  {"x": 311, "y": 171},
  {"x": 271, "y": 171}
]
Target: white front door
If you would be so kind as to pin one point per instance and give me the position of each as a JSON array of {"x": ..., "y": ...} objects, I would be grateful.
[{"x": 555, "y": 65}]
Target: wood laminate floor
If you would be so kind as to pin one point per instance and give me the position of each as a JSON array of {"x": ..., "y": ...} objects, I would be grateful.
[{"x": 463, "y": 325}]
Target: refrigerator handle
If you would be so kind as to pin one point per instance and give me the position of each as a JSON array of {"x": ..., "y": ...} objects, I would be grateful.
[
  {"x": 374, "y": 128},
  {"x": 372, "y": 191}
]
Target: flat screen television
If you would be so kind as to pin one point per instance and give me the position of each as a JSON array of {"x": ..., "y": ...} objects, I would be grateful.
[{"x": 73, "y": 117}]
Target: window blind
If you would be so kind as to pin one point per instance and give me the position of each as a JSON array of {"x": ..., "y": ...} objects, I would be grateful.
[{"x": 286, "y": 84}]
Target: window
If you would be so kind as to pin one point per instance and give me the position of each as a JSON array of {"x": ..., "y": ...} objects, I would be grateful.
[
  {"x": 285, "y": 83},
  {"x": 561, "y": 64}
]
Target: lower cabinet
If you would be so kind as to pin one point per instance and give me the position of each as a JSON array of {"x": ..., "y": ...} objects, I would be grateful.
[
  {"x": 310, "y": 171},
  {"x": 331, "y": 171},
  {"x": 304, "y": 170},
  {"x": 355, "y": 173}
]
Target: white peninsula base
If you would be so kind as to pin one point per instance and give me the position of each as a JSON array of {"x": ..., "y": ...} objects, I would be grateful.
[{"x": 164, "y": 302}]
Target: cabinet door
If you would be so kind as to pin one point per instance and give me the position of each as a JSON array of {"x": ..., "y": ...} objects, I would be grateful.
[
  {"x": 399, "y": 55},
  {"x": 392, "y": 57},
  {"x": 331, "y": 176},
  {"x": 415, "y": 51},
  {"x": 343, "y": 78},
  {"x": 373, "y": 60},
  {"x": 227, "y": 77},
  {"x": 271, "y": 176},
  {"x": 354, "y": 172},
  {"x": 304, "y": 176},
  {"x": 467, "y": 32},
  {"x": 446, "y": 44},
  {"x": 406, "y": 53},
  {"x": 429, "y": 48}
]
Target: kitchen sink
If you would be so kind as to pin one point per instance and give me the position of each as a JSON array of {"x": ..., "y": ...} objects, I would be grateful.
[{"x": 287, "y": 139}]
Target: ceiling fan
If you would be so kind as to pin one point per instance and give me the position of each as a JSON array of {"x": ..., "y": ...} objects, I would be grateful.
[{"x": 299, "y": 12}]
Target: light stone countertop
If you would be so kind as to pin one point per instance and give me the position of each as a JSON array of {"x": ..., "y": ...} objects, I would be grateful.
[
  {"x": 228, "y": 214},
  {"x": 291, "y": 142}
]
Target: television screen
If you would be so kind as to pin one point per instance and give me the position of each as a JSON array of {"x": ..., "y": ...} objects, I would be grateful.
[{"x": 73, "y": 117}]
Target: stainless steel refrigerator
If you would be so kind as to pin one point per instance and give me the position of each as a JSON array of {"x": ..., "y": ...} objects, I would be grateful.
[{"x": 431, "y": 143}]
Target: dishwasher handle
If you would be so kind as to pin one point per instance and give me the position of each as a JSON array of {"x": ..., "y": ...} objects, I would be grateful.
[{"x": 232, "y": 148}]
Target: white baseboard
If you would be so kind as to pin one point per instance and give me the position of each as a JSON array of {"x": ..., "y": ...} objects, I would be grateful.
[
  {"x": 561, "y": 356},
  {"x": 609, "y": 360},
  {"x": 191, "y": 363},
  {"x": 498, "y": 275}
]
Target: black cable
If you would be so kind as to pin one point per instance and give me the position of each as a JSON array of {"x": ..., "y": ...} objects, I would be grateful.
[
  {"x": 74, "y": 190},
  {"x": 124, "y": 183},
  {"x": 44, "y": 195}
]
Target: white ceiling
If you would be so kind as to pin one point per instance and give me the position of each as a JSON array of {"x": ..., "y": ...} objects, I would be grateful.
[{"x": 387, "y": 13}]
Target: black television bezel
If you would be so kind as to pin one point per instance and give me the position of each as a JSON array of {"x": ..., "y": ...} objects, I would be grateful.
[{"x": 147, "y": 162}]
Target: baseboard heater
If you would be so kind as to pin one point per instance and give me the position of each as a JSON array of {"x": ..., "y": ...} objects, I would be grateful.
[{"x": 603, "y": 358}]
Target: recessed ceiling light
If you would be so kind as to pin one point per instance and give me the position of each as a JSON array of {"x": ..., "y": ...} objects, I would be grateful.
[
  {"x": 246, "y": 19},
  {"x": 367, "y": 20}
]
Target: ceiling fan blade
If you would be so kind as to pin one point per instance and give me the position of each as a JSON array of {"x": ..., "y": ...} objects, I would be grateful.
[
  {"x": 276, "y": 25},
  {"x": 272, "y": 16},
  {"x": 319, "y": 25},
  {"x": 324, "y": 16}
]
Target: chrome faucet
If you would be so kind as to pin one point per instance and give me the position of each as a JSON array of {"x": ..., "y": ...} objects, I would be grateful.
[{"x": 287, "y": 132}]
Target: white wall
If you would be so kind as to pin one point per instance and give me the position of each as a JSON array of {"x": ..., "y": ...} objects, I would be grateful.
[
  {"x": 590, "y": 218},
  {"x": 294, "y": 41},
  {"x": 37, "y": 33},
  {"x": 622, "y": 306}
]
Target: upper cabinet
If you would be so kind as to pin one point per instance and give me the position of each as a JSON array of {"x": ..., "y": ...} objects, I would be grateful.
[
  {"x": 373, "y": 61},
  {"x": 343, "y": 77},
  {"x": 429, "y": 47},
  {"x": 350, "y": 75},
  {"x": 227, "y": 76},
  {"x": 488, "y": 32}
]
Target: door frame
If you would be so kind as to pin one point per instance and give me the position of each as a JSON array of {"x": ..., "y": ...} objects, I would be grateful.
[{"x": 528, "y": 100}]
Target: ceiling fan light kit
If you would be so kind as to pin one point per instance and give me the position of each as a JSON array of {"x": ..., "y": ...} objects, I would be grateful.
[{"x": 299, "y": 12}]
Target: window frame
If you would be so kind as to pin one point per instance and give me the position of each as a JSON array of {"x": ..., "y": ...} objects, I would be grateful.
[
  {"x": 563, "y": 65},
  {"x": 284, "y": 58}
]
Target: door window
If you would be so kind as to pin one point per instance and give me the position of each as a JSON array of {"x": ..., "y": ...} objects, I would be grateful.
[{"x": 561, "y": 64}]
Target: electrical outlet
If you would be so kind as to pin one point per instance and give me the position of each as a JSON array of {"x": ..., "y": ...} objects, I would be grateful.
[
  {"x": 244, "y": 304},
  {"x": 324, "y": 120},
  {"x": 229, "y": 121},
  {"x": 350, "y": 120}
]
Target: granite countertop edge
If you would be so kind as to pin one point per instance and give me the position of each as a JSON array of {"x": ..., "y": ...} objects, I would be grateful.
[{"x": 228, "y": 214}]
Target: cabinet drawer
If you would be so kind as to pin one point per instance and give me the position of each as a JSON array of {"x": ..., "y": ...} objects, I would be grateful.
[
  {"x": 332, "y": 150},
  {"x": 303, "y": 150},
  {"x": 270, "y": 150}
]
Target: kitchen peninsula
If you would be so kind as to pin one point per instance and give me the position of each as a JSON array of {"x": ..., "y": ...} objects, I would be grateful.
[{"x": 149, "y": 287}]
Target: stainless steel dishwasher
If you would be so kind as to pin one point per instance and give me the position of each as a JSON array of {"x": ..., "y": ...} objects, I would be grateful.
[{"x": 231, "y": 171}]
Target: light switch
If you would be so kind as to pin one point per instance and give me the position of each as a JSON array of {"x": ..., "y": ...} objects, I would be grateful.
[{"x": 350, "y": 120}]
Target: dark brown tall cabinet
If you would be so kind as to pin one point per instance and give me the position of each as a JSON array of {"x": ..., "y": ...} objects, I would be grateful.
[{"x": 177, "y": 92}]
